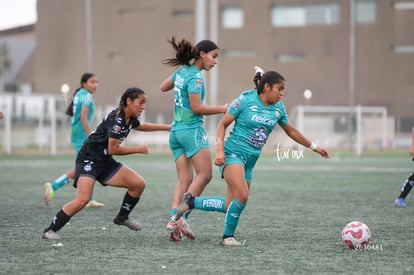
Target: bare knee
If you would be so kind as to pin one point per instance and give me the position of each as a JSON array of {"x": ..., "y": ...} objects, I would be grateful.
[
  {"x": 137, "y": 187},
  {"x": 244, "y": 197},
  {"x": 205, "y": 177}
]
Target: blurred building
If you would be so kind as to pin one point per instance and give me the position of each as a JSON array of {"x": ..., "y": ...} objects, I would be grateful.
[
  {"x": 309, "y": 42},
  {"x": 17, "y": 46}
]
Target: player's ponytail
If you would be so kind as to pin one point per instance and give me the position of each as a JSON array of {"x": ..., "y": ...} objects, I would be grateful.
[
  {"x": 185, "y": 51},
  {"x": 261, "y": 78}
]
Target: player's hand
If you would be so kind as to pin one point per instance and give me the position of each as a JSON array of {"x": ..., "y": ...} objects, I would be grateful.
[
  {"x": 142, "y": 149},
  {"x": 225, "y": 107},
  {"x": 220, "y": 158},
  {"x": 322, "y": 152}
]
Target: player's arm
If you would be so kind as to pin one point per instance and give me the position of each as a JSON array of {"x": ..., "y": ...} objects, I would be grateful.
[
  {"x": 225, "y": 121},
  {"x": 167, "y": 84},
  {"x": 297, "y": 136},
  {"x": 201, "y": 109},
  {"x": 148, "y": 127},
  {"x": 115, "y": 148},
  {"x": 84, "y": 119}
]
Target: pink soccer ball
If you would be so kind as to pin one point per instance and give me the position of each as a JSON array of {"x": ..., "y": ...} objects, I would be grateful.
[{"x": 356, "y": 235}]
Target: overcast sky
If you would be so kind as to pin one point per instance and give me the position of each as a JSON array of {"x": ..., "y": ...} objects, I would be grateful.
[{"x": 15, "y": 13}]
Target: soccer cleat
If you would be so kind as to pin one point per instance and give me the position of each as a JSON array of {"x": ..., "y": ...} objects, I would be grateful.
[
  {"x": 49, "y": 192},
  {"x": 50, "y": 235},
  {"x": 94, "y": 204},
  {"x": 184, "y": 205},
  {"x": 130, "y": 223},
  {"x": 231, "y": 241},
  {"x": 175, "y": 233},
  {"x": 184, "y": 228},
  {"x": 400, "y": 202}
]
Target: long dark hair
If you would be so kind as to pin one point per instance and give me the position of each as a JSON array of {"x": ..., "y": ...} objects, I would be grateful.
[
  {"x": 270, "y": 77},
  {"x": 185, "y": 51},
  {"x": 85, "y": 77}
]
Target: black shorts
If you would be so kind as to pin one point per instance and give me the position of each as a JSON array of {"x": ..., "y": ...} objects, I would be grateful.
[{"x": 101, "y": 171}]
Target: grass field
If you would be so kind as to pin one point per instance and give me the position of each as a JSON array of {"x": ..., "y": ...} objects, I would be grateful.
[{"x": 292, "y": 222}]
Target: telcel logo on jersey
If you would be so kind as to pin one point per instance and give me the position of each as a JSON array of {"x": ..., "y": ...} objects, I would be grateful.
[{"x": 263, "y": 120}]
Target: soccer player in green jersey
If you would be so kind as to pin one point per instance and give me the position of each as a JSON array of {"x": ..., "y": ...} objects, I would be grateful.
[
  {"x": 81, "y": 109},
  {"x": 188, "y": 138},
  {"x": 255, "y": 113}
]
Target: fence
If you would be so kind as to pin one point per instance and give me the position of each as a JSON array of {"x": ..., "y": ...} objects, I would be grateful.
[{"x": 38, "y": 123}]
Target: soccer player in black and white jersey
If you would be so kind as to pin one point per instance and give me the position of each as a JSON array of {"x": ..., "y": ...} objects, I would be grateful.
[
  {"x": 409, "y": 182},
  {"x": 95, "y": 162}
]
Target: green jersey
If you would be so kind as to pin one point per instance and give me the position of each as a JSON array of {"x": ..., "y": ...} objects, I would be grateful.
[
  {"x": 82, "y": 98},
  {"x": 253, "y": 124},
  {"x": 187, "y": 79}
]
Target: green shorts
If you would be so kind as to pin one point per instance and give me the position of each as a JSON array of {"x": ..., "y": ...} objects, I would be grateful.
[
  {"x": 246, "y": 160},
  {"x": 188, "y": 141}
]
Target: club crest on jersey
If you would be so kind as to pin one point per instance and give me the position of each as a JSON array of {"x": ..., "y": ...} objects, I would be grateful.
[
  {"x": 87, "y": 167},
  {"x": 258, "y": 138},
  {"x": 199, "y": 83},
  {"x": 116, "y": 129},
  {"x": 235, "y": 104},
  {"x": 277, "y": 113}
]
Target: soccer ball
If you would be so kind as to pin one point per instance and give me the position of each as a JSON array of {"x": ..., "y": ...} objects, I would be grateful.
[{"x": 356, "y": 234}]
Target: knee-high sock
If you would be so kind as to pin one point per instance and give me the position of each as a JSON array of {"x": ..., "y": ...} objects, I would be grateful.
[
  {"x": 407, "y": 186},
  {"x": 127, "y": 205},
  {"x": 232, "y": 217},
  {"x": 58, "y": 221},
  {"x": 210, "y": 204},
  {"x": 60, "y": 181}
]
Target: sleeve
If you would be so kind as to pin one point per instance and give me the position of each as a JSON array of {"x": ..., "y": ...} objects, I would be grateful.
[
  {"x": 283, "y": 114},
  {"x": 86, "y": 100},
  {"x": 237, "y": 105},
  {"x": 114, "y": 127},
  {"x": 135, "y": 123},
  {"x": 195, "y": 84}
]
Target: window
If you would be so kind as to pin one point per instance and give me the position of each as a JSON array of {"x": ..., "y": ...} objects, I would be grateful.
[
  {"x": 232, "y": 17},
  {"x": 239, "y": 53},
  {"x": 404, "y": 5},
  {"x": 365, "y": 11},
  {"x": 290, "y": 57},
  {"x": 301, "y": 15},
  {"x": 403, "y": 48}
]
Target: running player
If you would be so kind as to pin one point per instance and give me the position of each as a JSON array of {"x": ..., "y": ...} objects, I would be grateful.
[
  {"x": 255, "y": 113},
  {"x": 95, "y": 162}
]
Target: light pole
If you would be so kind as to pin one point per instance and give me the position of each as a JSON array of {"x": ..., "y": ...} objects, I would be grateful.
[
  {"x": 351, "y": 70},
  {"x": 89, "y": 38}
]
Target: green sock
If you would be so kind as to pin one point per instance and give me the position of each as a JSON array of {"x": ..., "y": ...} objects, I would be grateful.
[
  {"x": 60, "y": 181},
  {"x": 92, "y": 197},
  {"x": 173, "y": 211},
  {"x": 232, "y": 217},
  {"x": 210, "y": 204}
]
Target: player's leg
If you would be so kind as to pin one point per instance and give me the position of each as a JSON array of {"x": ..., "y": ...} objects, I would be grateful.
[
  {"x": 203, "y": 167},
  {"x": 135, "y": 184},
  {"x": 405, "y": 189},
  {"x": 50, "y": 188},
  {"x": 185, "y": 174},
  {"x": 237, "y": 196},
  {"x": 84, "y": 190}
]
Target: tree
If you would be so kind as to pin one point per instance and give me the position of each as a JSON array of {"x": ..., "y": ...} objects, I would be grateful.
[{"x": 5, "y": 63}]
